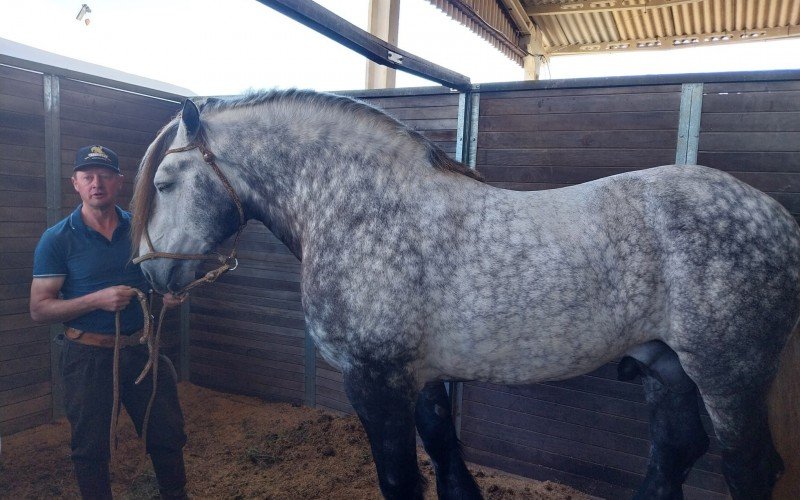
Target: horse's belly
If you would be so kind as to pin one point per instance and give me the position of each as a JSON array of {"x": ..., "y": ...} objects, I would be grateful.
[{"x": 515, "y": 355}]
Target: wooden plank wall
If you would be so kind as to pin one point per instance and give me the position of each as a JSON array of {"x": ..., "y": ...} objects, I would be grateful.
[
  {"x": 752, "y": 131},
  {"x": 247, "y": 330},
  {"x": 89, "y": 114},
  {"x": 591, "y": 431},
  {"x": 25, "y": 386}
]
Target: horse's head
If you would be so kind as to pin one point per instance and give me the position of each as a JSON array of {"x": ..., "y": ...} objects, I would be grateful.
[{"x": 183, "y": 205}]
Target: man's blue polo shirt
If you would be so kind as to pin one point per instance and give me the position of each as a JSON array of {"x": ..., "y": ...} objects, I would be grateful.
[{"x": 89, "y": 262}]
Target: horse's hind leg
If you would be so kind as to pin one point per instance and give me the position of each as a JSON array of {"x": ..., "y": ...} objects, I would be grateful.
[
  {"x": 383, "y": 395},
  {"x": 438, "y": 433},
  {"x": 750, "y": 462},
  {"x": 676, "y": 432}
]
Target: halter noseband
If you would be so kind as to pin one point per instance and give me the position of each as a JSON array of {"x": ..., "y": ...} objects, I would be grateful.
[{"x": 228, "y": 263}]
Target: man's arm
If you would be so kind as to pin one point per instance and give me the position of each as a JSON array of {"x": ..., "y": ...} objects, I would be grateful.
[{"x": 47, "y": 307}]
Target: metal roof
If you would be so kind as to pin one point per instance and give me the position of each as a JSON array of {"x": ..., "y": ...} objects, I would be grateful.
[{"x": 586, "y": 26}]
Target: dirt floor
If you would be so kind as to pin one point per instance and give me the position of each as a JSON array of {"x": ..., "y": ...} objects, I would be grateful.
[{"x": 239, "y": 447}]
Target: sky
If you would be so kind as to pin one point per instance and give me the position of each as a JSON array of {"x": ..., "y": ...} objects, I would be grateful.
[{"x": 215, "y": 47}]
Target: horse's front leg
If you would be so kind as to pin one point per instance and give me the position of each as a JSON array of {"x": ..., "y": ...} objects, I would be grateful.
[
  {"x": 435, "y": 426},
  {"x": 383, "y": 394}
]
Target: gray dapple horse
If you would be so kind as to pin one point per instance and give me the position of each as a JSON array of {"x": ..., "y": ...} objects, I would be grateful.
[{"x": 413, "y": 273}]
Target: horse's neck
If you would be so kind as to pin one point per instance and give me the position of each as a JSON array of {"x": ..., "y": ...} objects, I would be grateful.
[{"x": 301, "y": 174}]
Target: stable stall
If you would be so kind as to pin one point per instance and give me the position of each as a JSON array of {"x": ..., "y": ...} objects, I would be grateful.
[{"x": 246, "y": 334}]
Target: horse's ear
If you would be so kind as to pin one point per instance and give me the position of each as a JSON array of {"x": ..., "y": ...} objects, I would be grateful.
[{"x": 190, "y": 118}]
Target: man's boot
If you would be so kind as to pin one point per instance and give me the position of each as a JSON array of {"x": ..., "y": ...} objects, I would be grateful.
[
  {"x": 93, "y": 479},
  {"x": 171, "y": 475}
]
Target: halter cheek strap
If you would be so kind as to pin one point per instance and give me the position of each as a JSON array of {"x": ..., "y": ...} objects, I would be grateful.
[{"x": 227, "y": 263}]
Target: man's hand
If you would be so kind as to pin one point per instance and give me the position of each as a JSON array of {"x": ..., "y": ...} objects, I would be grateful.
[
  {"x": 171, "y": 300},
  {"x": 114, "y": 298}
]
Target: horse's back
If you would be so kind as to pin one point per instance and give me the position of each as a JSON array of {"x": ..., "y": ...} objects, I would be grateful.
[{"x": 685, "y": 254}]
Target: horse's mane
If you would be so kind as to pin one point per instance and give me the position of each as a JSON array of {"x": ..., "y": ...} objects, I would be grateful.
[
  {"x": 144, "y": 191},
  {"x": 315, "y": 100}
]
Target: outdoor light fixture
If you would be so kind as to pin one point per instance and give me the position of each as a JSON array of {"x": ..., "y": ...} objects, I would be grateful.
[{"x": 81, "y": 13}]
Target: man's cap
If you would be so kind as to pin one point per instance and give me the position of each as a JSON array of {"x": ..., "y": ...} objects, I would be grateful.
[{"x": 96, "y": 156}]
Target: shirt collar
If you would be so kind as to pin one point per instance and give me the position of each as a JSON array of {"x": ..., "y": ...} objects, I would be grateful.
[{"x": 76, "y": 221}]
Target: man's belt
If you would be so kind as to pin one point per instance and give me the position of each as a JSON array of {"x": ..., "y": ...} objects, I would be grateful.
[{"x": 102, "y": 339}]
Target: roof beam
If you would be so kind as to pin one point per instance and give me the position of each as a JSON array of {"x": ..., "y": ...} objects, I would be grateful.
[
  {"x": 516, "y": 12},
  {"x": 588, "y": 6},
  {"x": 673, "y": 42},
  {"x": 339, "y": 30}
]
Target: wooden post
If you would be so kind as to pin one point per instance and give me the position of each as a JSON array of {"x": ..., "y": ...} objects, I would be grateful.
[
  {"x": 532, "y": 62},
  {"x": 384, "y": 22},
  {"x": 52, "y": 161}
]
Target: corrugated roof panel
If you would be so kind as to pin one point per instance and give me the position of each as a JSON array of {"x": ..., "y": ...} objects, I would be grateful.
[
  {"x": 591, "y": 26},
  {"x": 490, "y": 20},
  {"x": 772, "y": 15},
  {"x": 573, "y": 26},
  {"x": 708, "y": 17},
  {"x": 794, "y": 18}
]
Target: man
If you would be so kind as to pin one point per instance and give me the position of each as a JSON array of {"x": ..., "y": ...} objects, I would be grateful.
[{"x": 82, "y": 276}]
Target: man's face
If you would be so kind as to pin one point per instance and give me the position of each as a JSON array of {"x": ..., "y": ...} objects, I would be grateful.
[{"x": 97, "y": 186}]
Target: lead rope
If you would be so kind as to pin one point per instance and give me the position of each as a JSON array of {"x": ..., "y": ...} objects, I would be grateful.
[
  {"x": 152, "y": 361},
  {"x": 153, "y": 346}
]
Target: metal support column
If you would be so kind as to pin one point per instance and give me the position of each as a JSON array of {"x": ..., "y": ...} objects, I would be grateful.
[
  {"x": 467, "y": 133},
  {"x": 689, "y": 123},
  {"x": 52, "y": 165},
  {"x": 474, "y": 118},
  {"x": 466, "y": 153}
]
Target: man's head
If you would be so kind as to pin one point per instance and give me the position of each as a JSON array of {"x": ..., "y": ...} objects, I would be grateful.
[{"x": 96, "y": 176}]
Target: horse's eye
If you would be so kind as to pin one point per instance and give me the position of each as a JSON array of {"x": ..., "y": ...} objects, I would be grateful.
[{"x": 163, "y": 187}]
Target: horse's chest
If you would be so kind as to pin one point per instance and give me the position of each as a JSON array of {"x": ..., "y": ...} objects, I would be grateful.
[{"x": 362, "y": 314}]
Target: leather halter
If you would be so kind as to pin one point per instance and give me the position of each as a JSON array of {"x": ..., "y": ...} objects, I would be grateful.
[{"x": 227, "y": 263}]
